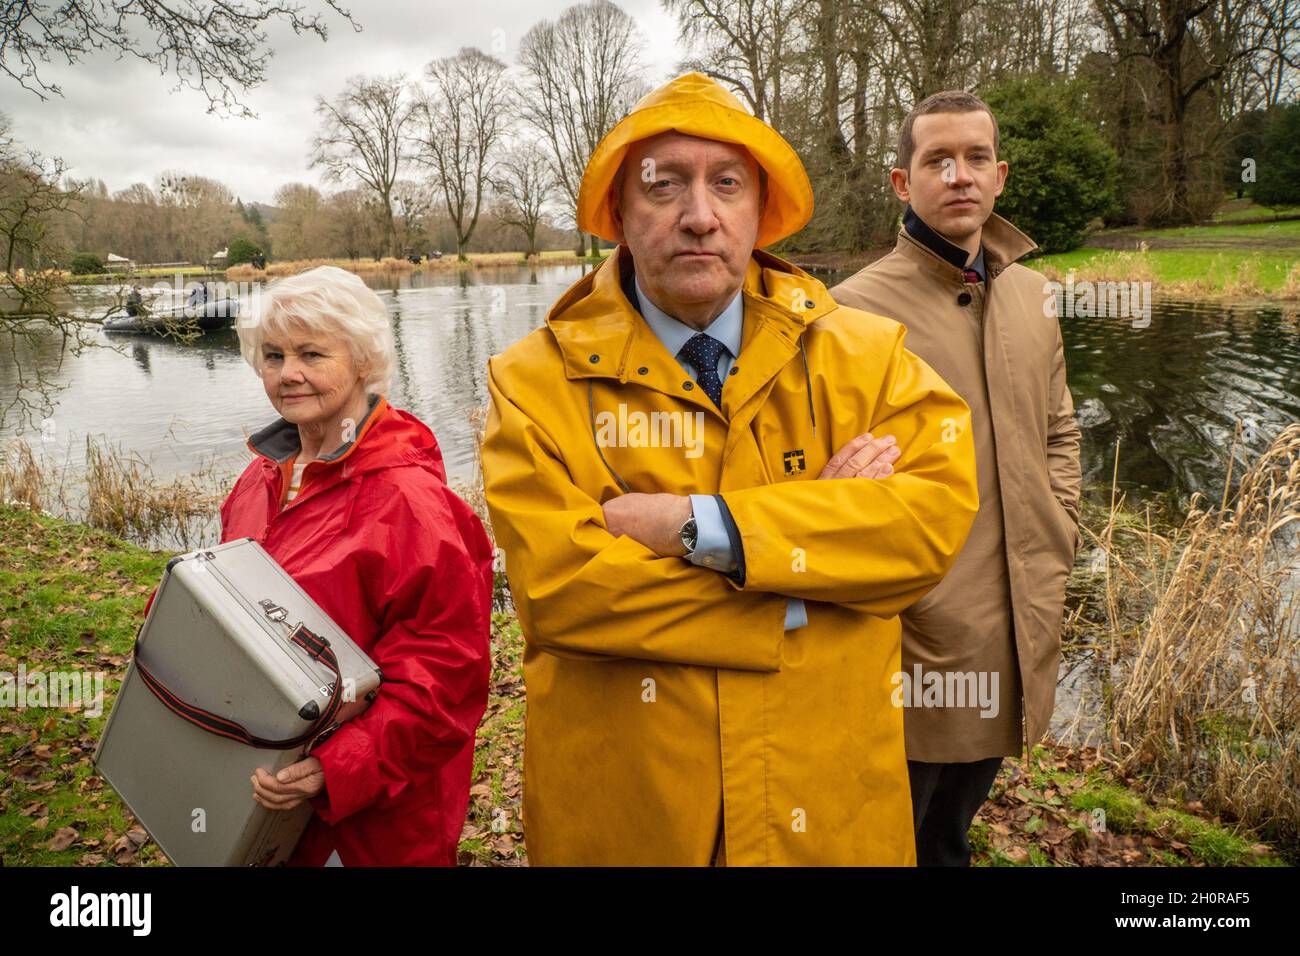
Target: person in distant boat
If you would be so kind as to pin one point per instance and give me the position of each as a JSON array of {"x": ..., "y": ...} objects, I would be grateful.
[
  {"x": 134, "y": 301},
  {"x": 198, "y": 297}
]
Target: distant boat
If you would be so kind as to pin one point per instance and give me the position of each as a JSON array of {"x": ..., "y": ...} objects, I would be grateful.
[{"x": 209, "y": 317}]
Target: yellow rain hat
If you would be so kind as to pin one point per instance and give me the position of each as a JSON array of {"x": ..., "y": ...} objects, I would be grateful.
[{"x": 696, "y": 105}]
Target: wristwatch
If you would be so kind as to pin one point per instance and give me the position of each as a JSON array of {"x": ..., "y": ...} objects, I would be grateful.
[{"x": 688, "y": 535}]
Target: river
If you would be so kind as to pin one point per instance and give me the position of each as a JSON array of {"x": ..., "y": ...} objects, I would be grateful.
[{"x": 1171, "y": 391}]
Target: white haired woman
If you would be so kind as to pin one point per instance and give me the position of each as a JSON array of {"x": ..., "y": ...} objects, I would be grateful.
[{"x": 349, "y": 495}]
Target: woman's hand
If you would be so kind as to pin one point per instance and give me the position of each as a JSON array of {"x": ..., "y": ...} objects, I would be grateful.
[{"x": 291, "y": 786}]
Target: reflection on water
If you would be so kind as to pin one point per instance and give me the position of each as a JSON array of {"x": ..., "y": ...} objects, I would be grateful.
[
  {"x": 1171, "y": 392},
  {"x": 181, "y": 406}
]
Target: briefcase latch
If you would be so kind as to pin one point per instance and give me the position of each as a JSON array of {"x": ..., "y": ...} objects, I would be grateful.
[{"x": 273, "y": 610}]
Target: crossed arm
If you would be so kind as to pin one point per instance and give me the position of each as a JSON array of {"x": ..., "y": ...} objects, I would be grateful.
[
  {"x": 598, "y": 582},
  {"x": 655, "y": 519}
]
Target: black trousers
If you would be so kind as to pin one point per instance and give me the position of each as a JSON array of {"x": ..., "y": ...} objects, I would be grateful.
[{"x": 945, "y": 798}]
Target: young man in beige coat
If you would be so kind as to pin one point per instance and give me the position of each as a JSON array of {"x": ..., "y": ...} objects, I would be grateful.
[{"x": 980, "y": 651}]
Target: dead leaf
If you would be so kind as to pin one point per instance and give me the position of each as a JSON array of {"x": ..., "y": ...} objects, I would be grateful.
[{"x": 63, "y": 838}]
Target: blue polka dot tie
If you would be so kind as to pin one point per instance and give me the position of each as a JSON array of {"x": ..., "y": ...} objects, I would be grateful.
[{"x": 703, "y": 352}]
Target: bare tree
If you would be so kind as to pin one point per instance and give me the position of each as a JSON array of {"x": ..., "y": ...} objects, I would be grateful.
[
  {"x": 743, "y": 44},
  {"x": 298, "y": 230},
  {"x": 199, "y": 215},
  {"x": 525, "y": 186},
  {"x": 413, "y": 202},
  {"x": 1191, "y": 46},
  {"x": 584, "y": 75},
  {"x": 354, "y": 225},
  {"x": 33, "y": 197},
  {"x": 464, "y": 112},
  {"x": 218, "y": 49},
  {"x": 362, "y": 138}
]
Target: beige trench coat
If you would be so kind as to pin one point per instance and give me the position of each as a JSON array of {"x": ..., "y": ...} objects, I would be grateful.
[{"x": 999, "y": 610}]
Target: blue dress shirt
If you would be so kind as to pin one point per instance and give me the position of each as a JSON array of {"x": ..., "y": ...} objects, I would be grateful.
[{"x": 712, "y": 544}]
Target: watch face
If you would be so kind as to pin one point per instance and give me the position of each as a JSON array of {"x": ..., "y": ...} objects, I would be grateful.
[{"x": 688, "y": 534}]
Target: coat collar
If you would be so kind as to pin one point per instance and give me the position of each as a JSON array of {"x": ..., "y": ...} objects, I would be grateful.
[
  {"x": 596, "y": 327},
  {"x": 279, "y": 441},
  {"x": 1002, "y": 242}
]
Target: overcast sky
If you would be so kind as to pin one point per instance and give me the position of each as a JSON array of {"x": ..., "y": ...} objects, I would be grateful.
[{"x": 120, "y": 121}]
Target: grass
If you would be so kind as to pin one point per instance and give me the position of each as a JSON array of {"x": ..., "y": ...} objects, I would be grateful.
[
  {"x": 1191, "y": 618},
  {"x": 1287, "y": 231},
  {"x": 133, "y": 275},
  {"x": 1236, "y": 210},
  {"x": 71, "y": 598},
  {"x": 493, "y": 831},
  {"x": 118, "y": 492},
  {"x": 1229, "y": 259},
  {"x": 1064, "y": 807},
  {"x": 1184, "y": 273}
]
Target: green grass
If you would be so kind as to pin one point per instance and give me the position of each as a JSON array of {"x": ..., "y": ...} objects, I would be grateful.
[
  {"x": 1052, "y": 797},
  {"x": 70, "y": 600},
  {"x": 1235, "y": 210},
  {"x": 1173, "y": 268},
  {"x": 1228, "y": 259},
  {"x": 1287, "y": 231}
]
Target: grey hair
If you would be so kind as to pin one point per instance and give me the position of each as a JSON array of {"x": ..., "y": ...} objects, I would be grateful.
[{"x": 331, "y": 300}]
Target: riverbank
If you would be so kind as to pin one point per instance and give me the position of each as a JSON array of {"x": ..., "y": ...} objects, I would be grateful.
[
  {"x": 1242, "y": 256},
  {"x": 73, "y": 598},
  {"x": 448, "y": 263}
]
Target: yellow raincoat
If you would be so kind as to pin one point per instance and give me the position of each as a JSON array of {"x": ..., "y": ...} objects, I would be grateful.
[
  {"x": 662, "y": 698},
  {"x": 666, "y": 702}
]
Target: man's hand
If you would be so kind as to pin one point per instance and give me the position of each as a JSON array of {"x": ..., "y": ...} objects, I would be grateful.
[
  {"x": 653, "y": 520},
  {"x": 291, "y": 786},
  {"x": 864, "y": 457}
]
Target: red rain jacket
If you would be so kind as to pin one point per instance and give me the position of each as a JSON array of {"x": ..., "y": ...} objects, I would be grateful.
[{"x": 404, "y": 566}]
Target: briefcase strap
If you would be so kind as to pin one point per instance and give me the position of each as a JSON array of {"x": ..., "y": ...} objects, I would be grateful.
[{"x": 316, "y": 646}]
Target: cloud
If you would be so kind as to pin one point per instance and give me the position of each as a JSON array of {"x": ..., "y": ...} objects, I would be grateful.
[{"x": 119, "y": 120}]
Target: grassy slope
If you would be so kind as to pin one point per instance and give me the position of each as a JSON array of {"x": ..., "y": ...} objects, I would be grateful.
[{"x": 1196, "y": 256}]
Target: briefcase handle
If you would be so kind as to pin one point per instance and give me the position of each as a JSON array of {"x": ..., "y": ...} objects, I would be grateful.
[{"x": 316, "y": 646}]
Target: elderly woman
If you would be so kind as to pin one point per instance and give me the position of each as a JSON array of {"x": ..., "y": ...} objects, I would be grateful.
[{"x": 349, "y": 495}]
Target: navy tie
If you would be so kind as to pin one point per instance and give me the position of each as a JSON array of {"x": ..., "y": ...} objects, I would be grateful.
[{"x": 703, "y": 352}]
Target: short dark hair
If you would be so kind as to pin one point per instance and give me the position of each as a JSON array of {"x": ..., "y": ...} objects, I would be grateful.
[{"x": 945, "y": 101}]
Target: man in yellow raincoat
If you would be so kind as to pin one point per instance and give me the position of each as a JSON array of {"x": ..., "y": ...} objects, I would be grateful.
[{"x": 712, "y": 632}]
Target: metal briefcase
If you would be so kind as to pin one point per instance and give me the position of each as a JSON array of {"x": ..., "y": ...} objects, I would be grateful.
[{"x": 235, "y": 668}]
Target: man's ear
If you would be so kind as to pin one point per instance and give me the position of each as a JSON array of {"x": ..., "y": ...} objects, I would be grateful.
[
  {"x": 616, "y": 213},
  {"x": 1002, "y": 178},
  {"x": 902, "y": 189}
]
